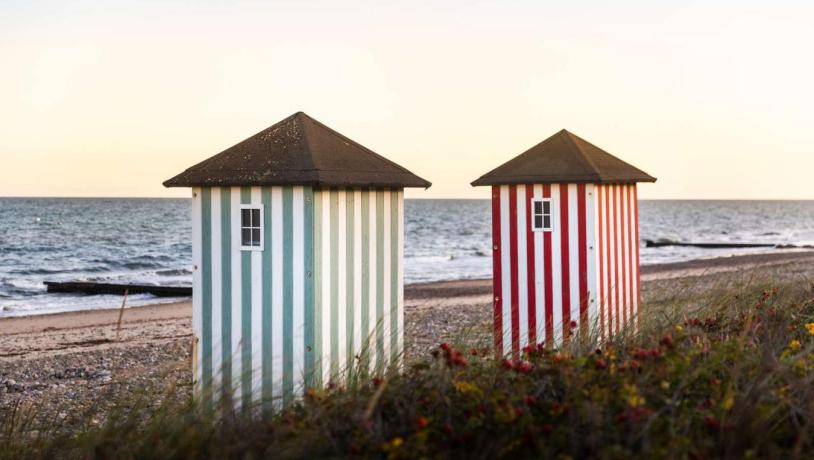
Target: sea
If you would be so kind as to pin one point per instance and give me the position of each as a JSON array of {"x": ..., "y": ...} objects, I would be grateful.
[{"x": 148, "y": 241}]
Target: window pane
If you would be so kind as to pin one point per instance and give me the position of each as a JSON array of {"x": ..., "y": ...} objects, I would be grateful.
[
  {"x": 255, "y": 217},
  {"x": 547, "y": 222},
  {"x": 256, "y": 237},
  {"x": 246, "y": 237},
  {"x": 546, "y": 207},
  {"x": 538, "y": 207},
  {"x": 538, "y": 222},
  {"x": 245, "y": 216}
]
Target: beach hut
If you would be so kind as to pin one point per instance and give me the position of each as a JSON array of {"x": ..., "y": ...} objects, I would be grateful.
[
  {"x": 565, "y": 243},
  {"x": 298, "y": 262}
]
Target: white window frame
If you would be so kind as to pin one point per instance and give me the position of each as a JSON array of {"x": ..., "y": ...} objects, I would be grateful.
[
  {"x": 550, "y": 228},
  {"x": 240, "y": 227}
]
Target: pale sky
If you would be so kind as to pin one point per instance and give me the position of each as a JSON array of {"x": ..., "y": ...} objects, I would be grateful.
[{"x": 716, "y": 99}]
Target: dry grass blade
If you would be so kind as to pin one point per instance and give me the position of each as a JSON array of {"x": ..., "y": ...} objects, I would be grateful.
[{"x": 121, "y": 314}]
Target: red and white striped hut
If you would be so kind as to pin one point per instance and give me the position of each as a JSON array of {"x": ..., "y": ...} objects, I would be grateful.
[{"x": 565, "y": 243}]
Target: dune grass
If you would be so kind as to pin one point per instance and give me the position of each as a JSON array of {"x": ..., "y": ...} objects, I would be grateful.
[{"x": 725, "y": 373}]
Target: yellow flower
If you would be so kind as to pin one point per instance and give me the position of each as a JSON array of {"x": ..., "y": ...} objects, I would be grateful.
[
  {"x": 631, "y": 394},
  {"x": 466, "y": 387},
  {"x": 794, "y": 345},
  {"x": 810, "y": 328}
]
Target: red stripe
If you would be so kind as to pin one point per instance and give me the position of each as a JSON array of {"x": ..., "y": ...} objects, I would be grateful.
[
  {"x": 638, "y": 261},
  {"x": 630, "y": 250},
  {"x": 601, "y": 300},
  {"x": 565, "y": 263},
  {"x": 530, "y": 251},
  {"x": 616, "y": 254},
  {"x": 625, "y": 249},
  {"x": 549, "y": 289},
  {"x": 497, "y": 279},
  {"x": 583, "y": 261},
  {"x": 513, "y": 258}
]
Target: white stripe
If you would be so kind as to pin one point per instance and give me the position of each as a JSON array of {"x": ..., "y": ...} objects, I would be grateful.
[
  {"x": 197, "y": 283},
  {"x": 257, "y": 309},
  {"x": 341, "y": 309},
  {"x": 556, "y": 262},
  {"x": 277, "y": 294},
  {"x": 217, "y": 289},
  {"x": 357, "y": 271},
  {"x": 386, "y": 274},
  {"x": 298, "y": 331},
  {"x": 236, "y": 298},
  {"x": 522, "y": 266},
  {"x": 373, "y": 319},
  {"x": 539, "y": 277},
  {"x": 401, "y": 276},
  {"x": 325, "y": 197},
  {"x": 593, "y": 256},
  {"x": 505, "y": 262},
  {"x": 573, "y": 252}
]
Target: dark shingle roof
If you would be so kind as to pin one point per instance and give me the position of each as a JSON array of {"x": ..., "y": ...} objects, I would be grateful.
[
  {"x": 297, "y": 151},
  {"x": 564, "y": 157}
]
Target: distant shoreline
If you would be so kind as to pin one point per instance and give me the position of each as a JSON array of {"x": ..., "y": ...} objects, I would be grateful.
[{"x": 412, "y": 292}]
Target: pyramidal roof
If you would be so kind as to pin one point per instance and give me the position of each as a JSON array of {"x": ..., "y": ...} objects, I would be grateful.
[
  {"x": 298, "y": 150},
  {"x": 564, "y": 157}
]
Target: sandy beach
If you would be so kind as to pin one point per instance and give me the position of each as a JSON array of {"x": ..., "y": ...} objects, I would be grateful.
[{"x": 71, "y": 360}]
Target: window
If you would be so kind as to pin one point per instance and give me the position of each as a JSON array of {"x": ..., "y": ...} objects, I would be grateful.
[
  {"x": 541, "y": 215},
  {"x": 251, "y": 228}
]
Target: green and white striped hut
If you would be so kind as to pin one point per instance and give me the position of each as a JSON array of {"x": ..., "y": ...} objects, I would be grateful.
[{"x": 298, "y": 253}]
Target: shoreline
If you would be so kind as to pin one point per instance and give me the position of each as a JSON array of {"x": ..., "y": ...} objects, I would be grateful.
[{"x": 475, "y": 287}]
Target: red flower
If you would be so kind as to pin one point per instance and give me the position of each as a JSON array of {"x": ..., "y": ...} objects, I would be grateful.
[
  {"x": 633, "y": 364},
  {"x": 447, "y": 429},
  {"x": 473, "y": 352},
  {"x": 530, "y": 400},
  {"x": 421, "y": 423},
  {"x": 528, "y": 349},
  {"x": 601, "y": 364},
  {"x": 712, "y": 423},
  {"x": 444, "y": 346},
  {"x": 376, "y": 381},
  {"x": 667, "y": 341},
  {"x": 573, "y": 324},
  {"x": 507, "y": 364},
  {"x": 523, "y": 367}
]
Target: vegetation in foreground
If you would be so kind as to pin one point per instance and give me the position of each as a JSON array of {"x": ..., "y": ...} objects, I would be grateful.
[{"x": 718, "y": 374}]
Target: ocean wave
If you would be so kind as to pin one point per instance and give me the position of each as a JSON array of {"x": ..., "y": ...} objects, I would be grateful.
[{"x": 174, "y": 272}]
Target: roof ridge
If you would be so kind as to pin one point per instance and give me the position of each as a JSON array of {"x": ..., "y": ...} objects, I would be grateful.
[
  {"x": 582, "y": 154},
  {"x": 349, "y": 140}
]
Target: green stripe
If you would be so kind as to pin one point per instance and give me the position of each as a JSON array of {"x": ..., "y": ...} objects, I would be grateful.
[
  {"x": 268, "y": 353},
  {"x": 349, "y": 279},
  {"x": 246, "y": 312},
  {"x": 226, "y": 290},
  {"x": 317, "y": 283},
  {"x": 206, "y": 288},
  {"x": 380, "y": 358},
  {"x": 334, "y": 282},
  {"x": 288, "y": 293},
  {"x": 394, "y": 276},
  {"x": 366, "y": 313},
  {"x": 308, "y": 284}
]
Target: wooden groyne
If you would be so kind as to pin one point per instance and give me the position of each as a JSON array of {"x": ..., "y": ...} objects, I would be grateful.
[
  {"x": 118, "y": 289},
  {"x": 659, "y": 244}
]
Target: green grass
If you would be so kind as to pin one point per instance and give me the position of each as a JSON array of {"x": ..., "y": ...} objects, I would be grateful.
[{"x": 723, "y": 373}]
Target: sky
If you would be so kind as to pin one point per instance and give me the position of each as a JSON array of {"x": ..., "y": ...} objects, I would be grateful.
[{"x": 102, "y": 98}]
